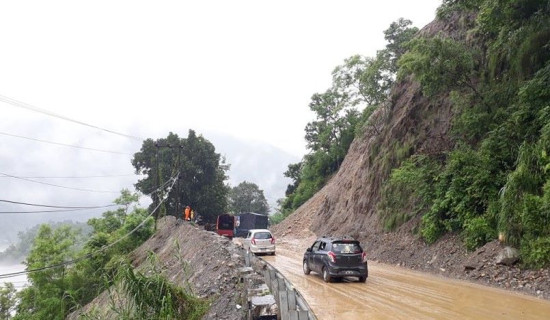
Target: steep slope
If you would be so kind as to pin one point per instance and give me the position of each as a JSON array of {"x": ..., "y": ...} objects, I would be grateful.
[
  {"x": 347, "y": 205},
  {"x": 189, "y": 257}
]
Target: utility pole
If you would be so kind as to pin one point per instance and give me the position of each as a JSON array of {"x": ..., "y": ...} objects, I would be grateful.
[
  {"x": 178, "y": 190},
  {"x": 158, "y": 186}
]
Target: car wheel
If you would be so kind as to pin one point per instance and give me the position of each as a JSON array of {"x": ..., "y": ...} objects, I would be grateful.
[
  {"x": 362, "y": 279},
  {"x": 326, "y": 275},
  {"x": 306, "y": 268}
]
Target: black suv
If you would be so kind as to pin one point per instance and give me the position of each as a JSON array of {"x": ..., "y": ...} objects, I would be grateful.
[{"x": 336, "y": 257}]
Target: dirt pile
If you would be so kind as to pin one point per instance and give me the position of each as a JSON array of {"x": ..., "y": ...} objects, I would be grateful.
[
  {"x": 347, "y": 205},
  {"x": 193, "y": 258}
]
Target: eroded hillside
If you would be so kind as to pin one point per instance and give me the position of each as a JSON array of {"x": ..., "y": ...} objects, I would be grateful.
[
  {"x": 348, "y": 204},
  {"x": 191, "y": 258}
]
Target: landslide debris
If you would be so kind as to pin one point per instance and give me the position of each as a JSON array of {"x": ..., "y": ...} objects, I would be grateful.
[
  {"x": 189, "y": 257},
  {"x": 347, "y": 204}
]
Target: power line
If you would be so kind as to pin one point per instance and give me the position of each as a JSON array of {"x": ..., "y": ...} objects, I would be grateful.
[
  {"x": 40, "y": 211},
  {"x": 63, "y": 144},
  {"x": 74, "y": 177},
  {"x": 58, "y": 186},
  {"x": 60, "y": 207},
  {"x": 27, "y": 106},
  {"x": 173, "y": 179}
]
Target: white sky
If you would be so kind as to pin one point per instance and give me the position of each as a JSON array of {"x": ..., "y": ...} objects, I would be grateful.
[{"x": 245, "y": 69}]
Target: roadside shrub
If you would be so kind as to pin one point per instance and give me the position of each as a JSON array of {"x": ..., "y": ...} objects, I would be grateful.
[
  {"x": 408, "y": 191},
  {"x": 153, "y": 297},
  {"x": 477, "y": 232},
  {"x": 536, "y": 253},
  {"x": 431, "y": 228}
]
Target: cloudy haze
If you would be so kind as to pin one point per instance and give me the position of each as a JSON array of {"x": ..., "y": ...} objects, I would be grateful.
[{"x": 240, "y": 73}]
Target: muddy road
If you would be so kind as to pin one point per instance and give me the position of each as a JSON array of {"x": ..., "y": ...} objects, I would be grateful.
[{"x": 397, "y": 293}]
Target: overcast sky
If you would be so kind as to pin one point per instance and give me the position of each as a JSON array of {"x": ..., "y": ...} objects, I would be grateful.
[{"x": 245, "y": 69}]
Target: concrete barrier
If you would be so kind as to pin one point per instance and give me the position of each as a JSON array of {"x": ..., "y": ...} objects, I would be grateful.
[{"x": 291, "y": 305}]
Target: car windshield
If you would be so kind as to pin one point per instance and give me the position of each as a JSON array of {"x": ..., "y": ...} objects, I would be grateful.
[
  {"x": 262, "y": 235},
  {"x": 346, "y": 247}
]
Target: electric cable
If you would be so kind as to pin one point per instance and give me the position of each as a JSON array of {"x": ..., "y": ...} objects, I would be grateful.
[
  {"x": 64, "y": 144},
  {"x": 75, "y": 177},
  {"x": 42, "y": 211},
  {"x": 173, "y": 179},
  {"x": 27, "y": 106},
  {"x": 59, "y": 207},
  {"x": 58, "y": 186}
]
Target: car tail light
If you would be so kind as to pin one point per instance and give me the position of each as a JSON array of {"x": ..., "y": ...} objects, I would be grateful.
[
  {"x": 272, "y": 240},
  {"x": 331, "y": 256},
  {"x": 253, "y": 241},
  {"x": 364, "y": 256}
]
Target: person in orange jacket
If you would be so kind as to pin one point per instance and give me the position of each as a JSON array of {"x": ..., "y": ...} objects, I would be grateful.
[{"x": 187, "y": 213}]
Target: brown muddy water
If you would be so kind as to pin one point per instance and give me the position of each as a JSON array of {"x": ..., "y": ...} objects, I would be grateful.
[{"x": 398, "y": 293}]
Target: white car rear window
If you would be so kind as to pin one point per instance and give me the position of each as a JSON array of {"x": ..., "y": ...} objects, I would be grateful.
[{"x": 262, "y": 235}]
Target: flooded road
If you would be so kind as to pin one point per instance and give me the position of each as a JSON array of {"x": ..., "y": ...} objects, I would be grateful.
[{"x": 397, "y": 293}]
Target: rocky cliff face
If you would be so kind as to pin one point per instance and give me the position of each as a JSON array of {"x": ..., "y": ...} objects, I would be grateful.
[{"x": 408, "y": 124}]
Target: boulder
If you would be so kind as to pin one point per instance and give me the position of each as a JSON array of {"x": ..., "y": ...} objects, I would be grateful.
[{"x": 507, "y": 256}]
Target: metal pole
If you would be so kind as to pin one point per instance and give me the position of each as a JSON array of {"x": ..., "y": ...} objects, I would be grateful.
[{"x": 158, "y": 185}]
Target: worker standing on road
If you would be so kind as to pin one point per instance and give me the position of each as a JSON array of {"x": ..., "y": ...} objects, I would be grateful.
[
  {"x": 187, "y": 213},
  {"x": 192, "y": 215}
]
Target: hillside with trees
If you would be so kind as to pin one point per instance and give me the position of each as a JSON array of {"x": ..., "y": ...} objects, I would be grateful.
[
  {"x": 69, "y": 265},
  {"x": 458, "y": 148}
]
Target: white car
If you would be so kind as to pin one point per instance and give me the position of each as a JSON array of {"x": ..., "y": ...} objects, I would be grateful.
[{"x": 259, "y": 241}]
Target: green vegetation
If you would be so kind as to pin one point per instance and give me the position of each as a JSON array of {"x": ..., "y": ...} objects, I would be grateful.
[
  {"x": 72, "y": 265},
  {"x": 359, "y": 87},
  {"x": 68, "y": 275},
  {"x": 490, "y": 176},
  {"x": 7, "y": 300},
  {"x": 247, "y": 197},
  {"x": 201, "y": 174},
  {"x": 153, "y": 297},
  {"x": 409, "y": 186},
  {"x": 17, "y": 252},
  {"x": 494, "y": 178}
]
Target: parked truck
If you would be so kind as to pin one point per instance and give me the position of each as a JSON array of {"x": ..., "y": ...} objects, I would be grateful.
[{"x": 249, "y": 220}]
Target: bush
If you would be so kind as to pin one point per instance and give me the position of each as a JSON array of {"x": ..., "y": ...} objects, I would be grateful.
[
  {"x": 477, "y": 232},
  {"x": 536, "y": 253},
  {"x": 409, "y": 190},
  {"x": 431, "y": 228}
]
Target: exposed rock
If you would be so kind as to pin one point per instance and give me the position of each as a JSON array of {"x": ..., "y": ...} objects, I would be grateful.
[{"x": 507, "y": 256}]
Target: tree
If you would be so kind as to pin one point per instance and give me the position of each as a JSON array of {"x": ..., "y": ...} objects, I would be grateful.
[
  {"x": 202, "y": 173},
  {"x": 247, "y": 197},
  {"x": 398, "y": 35},
  {"x": 45, "y": 299},
  {"x": 7, "y": 301},
  {"x": 294, "y": 173},
  {"x": 439, "y": 64},
  {"x": 359, "y": 83}
]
